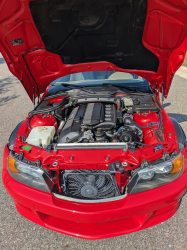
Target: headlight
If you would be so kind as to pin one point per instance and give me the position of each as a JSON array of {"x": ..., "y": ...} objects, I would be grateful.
[
  {"x": 29, "y": 175},
  {"x": 156, "y": 175}
]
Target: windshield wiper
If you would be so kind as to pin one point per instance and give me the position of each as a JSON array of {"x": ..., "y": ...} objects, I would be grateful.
[{"x": 78, "y": 87}]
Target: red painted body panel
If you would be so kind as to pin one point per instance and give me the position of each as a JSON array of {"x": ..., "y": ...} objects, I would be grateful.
[
  {"x": 96, "y": 221},
  {"x": 43, "y": 120},
  {"x": 144, "y": 120},
  {"x": 165, "y": 34}
]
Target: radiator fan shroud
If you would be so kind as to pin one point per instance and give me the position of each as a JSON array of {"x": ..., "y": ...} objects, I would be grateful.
[{"x": 89, "y": 185}]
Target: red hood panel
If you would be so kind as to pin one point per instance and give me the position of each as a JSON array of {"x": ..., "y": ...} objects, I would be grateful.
[{"x": 44, "y": 40}]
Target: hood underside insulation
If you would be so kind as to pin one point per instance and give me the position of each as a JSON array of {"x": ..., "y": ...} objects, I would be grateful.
[{"x": 91, "y": 31}]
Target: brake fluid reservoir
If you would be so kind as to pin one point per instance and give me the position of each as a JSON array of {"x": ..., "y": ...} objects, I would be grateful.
[
  {"x": 128, "y": 102},
  {"x": 41, "y": 136}
]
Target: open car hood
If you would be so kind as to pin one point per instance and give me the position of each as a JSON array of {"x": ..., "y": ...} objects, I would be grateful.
[{"x": 44, "y": 40}]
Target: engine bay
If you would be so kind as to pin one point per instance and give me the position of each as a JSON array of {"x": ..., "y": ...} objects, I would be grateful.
[
  {"x": 91, "y": 147},
  {"x": 101, "y": 120}
]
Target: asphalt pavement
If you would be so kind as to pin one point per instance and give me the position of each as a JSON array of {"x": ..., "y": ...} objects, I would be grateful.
[{"x": 17, "y": 232}]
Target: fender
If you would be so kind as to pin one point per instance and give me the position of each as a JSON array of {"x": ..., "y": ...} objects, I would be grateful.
[
  {"x": 12, "y": 138},
  {"x": 181, "y": 137}
]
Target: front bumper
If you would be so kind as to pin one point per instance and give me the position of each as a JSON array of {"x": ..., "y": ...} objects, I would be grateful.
[{"x": 96, "y": 221}]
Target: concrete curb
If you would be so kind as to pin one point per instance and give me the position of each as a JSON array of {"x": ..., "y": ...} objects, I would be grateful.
[{"x": 182, "y": 72}]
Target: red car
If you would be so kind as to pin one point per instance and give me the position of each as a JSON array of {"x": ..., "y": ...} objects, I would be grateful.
[{"x": 98, "y": 156}]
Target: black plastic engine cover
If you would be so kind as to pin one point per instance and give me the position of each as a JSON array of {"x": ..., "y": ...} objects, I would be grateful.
[
  {"x": 94, "y": 114},
  {"x": 91, "y": 116},
  {"x": 72, "y": 127}
]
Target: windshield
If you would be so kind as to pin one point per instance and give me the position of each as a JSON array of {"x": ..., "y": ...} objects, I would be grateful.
[{"x": 96, "y": 78}]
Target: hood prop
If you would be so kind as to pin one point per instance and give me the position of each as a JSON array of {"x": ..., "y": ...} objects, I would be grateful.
[
  {"x": 33, "y": 97},
  {"x": 162, "y": 93},
  {"x": 32, "y": 77}
]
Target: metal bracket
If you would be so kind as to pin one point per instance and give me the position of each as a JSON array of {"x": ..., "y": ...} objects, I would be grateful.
[
  {"x": 20, "y": 156},
  {"x": 49, "y": 148}
]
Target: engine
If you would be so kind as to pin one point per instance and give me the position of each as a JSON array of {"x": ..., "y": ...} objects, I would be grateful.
[
  {"x": 89, "y": 122},
  {"x": 100, "y": 122}
]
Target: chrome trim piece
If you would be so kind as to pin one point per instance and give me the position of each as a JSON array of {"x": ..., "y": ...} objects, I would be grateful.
[
  {"x": 108, "y": 145},
  {"x": 89, "y": 201}
]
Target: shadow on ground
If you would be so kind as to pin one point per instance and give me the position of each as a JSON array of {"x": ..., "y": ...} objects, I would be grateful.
[
  {"x": 5, "y": 88},
  {"x": 166, "y": 105},
  {"x": 179, "y": 117}
]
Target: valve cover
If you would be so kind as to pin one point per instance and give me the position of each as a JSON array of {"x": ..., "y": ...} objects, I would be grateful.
[{"x": 91, "y": 116}]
